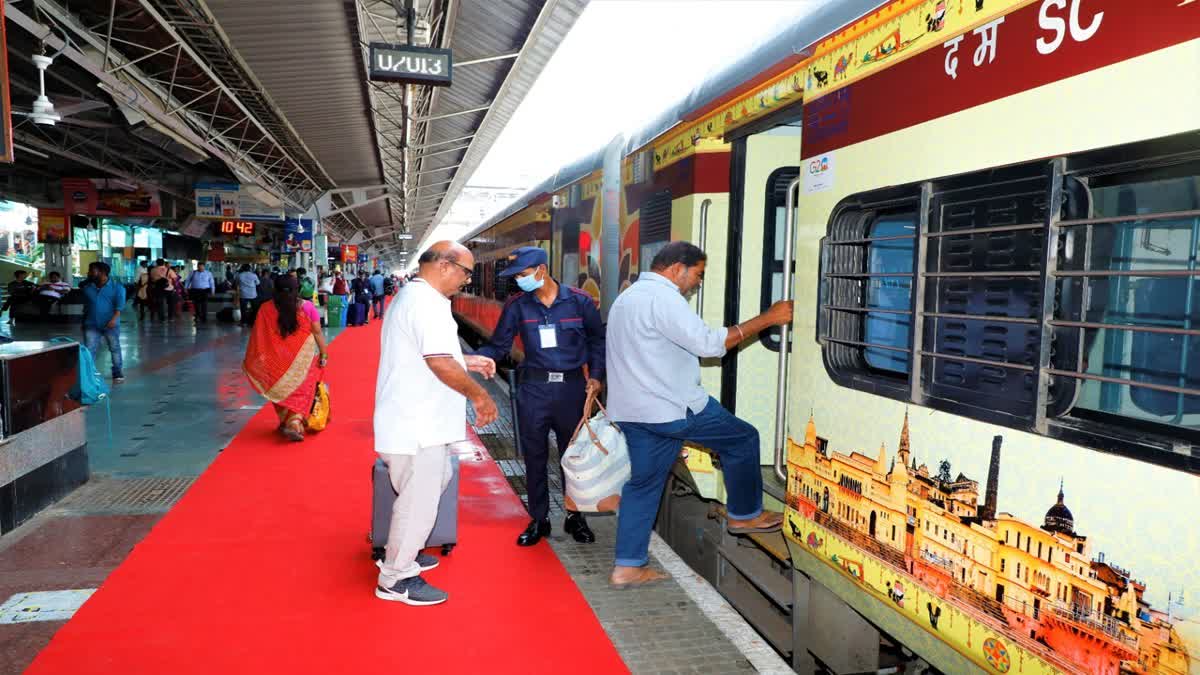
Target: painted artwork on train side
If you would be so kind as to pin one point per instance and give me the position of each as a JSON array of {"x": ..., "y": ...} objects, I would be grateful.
[
  {"x": 1033, "y": 573},
  {"x": 577, "y": 224}
]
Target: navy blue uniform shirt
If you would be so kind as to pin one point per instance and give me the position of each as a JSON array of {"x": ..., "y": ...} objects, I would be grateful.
[{"x": 578, "y": 331}]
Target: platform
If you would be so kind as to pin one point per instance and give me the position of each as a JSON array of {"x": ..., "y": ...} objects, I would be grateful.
[{"x": 185, "y": 405}]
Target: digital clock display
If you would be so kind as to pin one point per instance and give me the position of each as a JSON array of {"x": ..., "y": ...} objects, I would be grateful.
[{"x": 236, "y": 228}]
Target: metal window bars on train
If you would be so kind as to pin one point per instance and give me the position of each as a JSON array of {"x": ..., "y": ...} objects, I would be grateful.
[{"x": 1059, "y": 297}]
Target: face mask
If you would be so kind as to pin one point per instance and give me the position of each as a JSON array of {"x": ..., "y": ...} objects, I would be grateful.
[{"x": 530, "y": 283}]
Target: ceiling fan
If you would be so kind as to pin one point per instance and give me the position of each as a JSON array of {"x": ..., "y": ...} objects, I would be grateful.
[{"x": 43, "y": 111}]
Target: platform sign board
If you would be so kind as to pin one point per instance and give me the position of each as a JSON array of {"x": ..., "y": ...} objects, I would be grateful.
[{"x": 410, "y": 65}]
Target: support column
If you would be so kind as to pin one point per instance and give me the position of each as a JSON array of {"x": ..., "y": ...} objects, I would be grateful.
[{"x": 58, "y": 259}]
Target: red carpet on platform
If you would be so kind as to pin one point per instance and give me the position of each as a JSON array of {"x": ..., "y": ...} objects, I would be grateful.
[{"x": 264, "y": 567}]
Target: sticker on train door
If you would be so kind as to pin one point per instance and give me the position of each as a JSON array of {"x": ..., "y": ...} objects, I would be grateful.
[{"x": 818, "y": 174}]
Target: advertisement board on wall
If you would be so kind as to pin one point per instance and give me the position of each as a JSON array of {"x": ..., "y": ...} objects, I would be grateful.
[
  {"x": 217, "y": 200},
  {"x": 298, "y": 234},
  {"x": 349, "y": 253},
  {"x": 109, "y": 197},
  {"x": 231, "y": 200},
  {"x": 53, "y": 227}
]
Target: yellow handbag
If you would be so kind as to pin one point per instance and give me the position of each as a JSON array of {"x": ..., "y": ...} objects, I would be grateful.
[{"x": 319, "y": 417}]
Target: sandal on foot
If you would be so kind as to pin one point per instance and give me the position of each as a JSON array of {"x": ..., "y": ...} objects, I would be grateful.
[
  {"x": 648, "y": 577},
  {"x": 767, "y": 522}
]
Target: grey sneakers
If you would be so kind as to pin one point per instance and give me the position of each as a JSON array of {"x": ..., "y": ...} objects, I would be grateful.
[
  {"x": 426, "y": 562},
  {"x": 412, "y": 591}
]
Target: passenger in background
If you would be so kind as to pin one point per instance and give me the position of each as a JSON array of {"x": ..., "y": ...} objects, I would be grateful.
[
  {"x": 308, "y": 289},
  {"x": 158, "y": 285},
  {"x": 20, "y": 290},
  {"x": 286, "y": 355},
  {"x": 103, "y": 300},
  {"x": 200, "y": 286},
  {"x": 360, "y": 288},
  {"x": 247, "y": 294},
  {"x": 141, "y": 298},
  {"x": 178, "y": 292},
  {"x": 655, "y": 342},
  {"x": 420, "y": 412},
  {"x": 561, "y": 332},
  {"x": 377, "y": 293},
  {"x": 50, "y": 293},
  {"x": 325, "y": 288},
  {"x": 266, "y": 286}
]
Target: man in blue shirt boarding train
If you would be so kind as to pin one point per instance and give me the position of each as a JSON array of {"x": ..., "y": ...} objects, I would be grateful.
[
  {"x": 561, "y": 332},
  {"x": 655, "y": 343}
]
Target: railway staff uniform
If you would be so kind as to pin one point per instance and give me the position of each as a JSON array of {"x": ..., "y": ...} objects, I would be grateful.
[
  {"x": 561, "y": 331},
  {"x": 655, "y": 342}
]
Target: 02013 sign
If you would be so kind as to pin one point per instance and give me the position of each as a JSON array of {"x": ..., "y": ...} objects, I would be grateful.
[{"x": 410, "y": 65}]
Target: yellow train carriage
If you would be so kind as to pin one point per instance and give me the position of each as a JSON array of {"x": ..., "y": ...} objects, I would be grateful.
[{"x": 984, "y": 417}]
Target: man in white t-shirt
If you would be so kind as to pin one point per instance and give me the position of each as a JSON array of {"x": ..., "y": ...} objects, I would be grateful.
[{"x": 421, "y": 410}]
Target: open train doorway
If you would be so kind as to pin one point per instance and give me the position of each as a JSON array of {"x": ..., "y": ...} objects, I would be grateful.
[{"x": 763, "y": 166}]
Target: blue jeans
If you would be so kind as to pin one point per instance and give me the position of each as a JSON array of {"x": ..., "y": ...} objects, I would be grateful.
[
  {"x": 653, "y": 449},
  {"x": 112, "y": 336}
]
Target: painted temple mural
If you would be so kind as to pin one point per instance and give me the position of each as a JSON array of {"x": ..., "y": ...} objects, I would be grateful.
[{"x": 1044, "y": 589}]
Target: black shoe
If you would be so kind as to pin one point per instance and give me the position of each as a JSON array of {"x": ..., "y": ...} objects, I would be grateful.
[
  {"x": 534, "y": 533},
  {"x": 576, "y": 526}
]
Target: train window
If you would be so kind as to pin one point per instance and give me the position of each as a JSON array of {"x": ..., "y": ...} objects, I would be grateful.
[
  {"x": 655, "y": 227},
  {"x": 889, "y": 296},
  {"x": 773, "y": 231},
  {"x": 958, "y": 304},
  {"x": 864, "y": 317},
  {"x": 1140, "y": 323}
]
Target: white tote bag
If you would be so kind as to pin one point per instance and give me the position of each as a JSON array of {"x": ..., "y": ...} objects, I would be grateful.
[{"x": 596, "y": 465}]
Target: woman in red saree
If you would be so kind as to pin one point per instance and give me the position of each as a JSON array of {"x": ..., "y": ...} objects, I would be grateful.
[{"x": 285, "y": 356}]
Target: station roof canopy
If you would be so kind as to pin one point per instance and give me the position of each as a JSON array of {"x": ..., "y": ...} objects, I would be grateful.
[
  {"x": 276, "y": 94},
  {"x": 311, "y": 58}
]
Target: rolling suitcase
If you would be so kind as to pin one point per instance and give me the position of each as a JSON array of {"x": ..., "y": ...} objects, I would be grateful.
[
  {"x": 445, "y": 528},
  {"x": 356, "y": 315}
]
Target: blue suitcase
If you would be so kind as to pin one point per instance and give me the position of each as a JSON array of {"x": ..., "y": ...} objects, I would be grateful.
[
  {"x": 356, "y": 315},
  {"x": 445, "y": 528}
]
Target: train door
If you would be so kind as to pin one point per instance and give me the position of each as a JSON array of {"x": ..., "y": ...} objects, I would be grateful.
[{"x": 762, "y": 167}]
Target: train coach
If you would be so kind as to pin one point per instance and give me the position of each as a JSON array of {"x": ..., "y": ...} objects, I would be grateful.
[{"x": 984, "y": 422}]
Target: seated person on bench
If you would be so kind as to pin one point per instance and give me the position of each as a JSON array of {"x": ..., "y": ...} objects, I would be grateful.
[{"x": 51, "y": 293}]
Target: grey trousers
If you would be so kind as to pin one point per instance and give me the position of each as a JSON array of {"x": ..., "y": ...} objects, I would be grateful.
[{"x": 419, "y": 481}]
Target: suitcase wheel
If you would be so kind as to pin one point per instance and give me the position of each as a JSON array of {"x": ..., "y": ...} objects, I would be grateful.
[
  {"x": 378, "y": 553},
  {"x": 446, "y": 549}
]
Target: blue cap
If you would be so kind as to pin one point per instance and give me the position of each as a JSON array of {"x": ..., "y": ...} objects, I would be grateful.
[{"x": 522, "y": 259}]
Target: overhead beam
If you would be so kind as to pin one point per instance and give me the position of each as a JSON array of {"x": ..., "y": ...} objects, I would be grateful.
[
  {"x": 487, "y": 59},
  {"x": 456, "y": 113},
  {"x": 357, "y": 205},
  {"x": 340, "y": 190}
]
